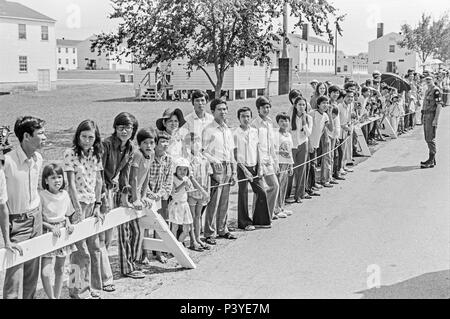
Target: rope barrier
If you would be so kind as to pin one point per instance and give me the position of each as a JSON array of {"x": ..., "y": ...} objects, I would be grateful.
[{"x": 307, "y": 162}]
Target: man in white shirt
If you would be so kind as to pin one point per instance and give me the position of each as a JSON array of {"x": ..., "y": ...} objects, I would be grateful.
[
  {"x": 23, "y": 220},
  {"x": 218, "y": 148},
  {"x": 199, "y": 119},
  {"x": 321, "y": 119},
  {"x": 247, "y": 155},
  {"x": 345, "y": 117},
  {"x": 269, "y": 160}
]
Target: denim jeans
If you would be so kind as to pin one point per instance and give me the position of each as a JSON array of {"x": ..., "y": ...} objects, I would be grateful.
[{"x": 85, "y": 262}]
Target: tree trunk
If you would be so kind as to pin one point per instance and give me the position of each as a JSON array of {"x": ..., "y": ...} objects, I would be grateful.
[{"x": 219, "y": 85}]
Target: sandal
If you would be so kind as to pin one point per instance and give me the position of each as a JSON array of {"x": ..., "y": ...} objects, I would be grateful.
[
  {"x": 205, "y": 247},
  {"x": 136, "y": 275},
  {"x": 109, "y": 288},
  {"x": 210, "y": 241},
  {"x": 196, "y": 248}
]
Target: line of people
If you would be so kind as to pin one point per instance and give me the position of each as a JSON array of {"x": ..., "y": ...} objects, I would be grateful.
[{"x": 186, "y": 166}]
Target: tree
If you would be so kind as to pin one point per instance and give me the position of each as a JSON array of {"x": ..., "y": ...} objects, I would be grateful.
[
  {"x": 428, "y": 38},
  {"x": 207, "y": 32}
]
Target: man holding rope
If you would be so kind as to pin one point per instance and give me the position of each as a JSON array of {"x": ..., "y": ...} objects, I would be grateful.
[{"x": 432, "y": 105}]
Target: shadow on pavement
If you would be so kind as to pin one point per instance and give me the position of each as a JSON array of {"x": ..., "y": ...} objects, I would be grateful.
[
  {"x": 434, "y": 285},
  {"x": 396, "y": 169}
]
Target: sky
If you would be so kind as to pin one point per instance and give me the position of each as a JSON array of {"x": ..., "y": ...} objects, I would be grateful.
[{"x": 79, "y": 19}]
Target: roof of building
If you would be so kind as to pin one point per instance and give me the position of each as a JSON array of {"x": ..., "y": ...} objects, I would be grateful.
[
  {"x": 19, "y": 11},
  {"x": 67, "y": 43},
  {"x": 311, "y": 39},
  {"x": 386, "y": 35}
]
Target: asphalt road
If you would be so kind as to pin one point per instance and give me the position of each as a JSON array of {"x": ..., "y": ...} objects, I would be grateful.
[{"x": 387, "y": 225}]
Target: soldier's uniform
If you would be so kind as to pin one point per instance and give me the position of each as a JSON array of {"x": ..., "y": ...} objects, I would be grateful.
[{"x": 433, "y": 97}]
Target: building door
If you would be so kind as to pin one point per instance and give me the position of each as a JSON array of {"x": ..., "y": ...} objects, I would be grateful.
[
  {"x": 391, "y": 67},
  {"x": 44, "y": 83}
]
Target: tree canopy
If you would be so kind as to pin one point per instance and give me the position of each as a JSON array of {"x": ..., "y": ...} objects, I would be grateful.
[
  {"x": 209, "y": 32},
  {"x": 429, "y": 39}
]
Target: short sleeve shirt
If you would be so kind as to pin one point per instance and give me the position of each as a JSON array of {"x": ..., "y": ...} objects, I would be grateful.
[
  {"x": 283, "y": 148},
  {"x": 55, "y": 207},
  {"x": 3, "y": 192},
  {"x": 143, "y": 168},
  {"x": 85, "y": 170},
  {"x": 319, "y": 121}
]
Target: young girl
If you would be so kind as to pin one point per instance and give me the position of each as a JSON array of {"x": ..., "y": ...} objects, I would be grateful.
[
  {"x": 394, "y": 113},
  {"x": 56, "y": 210},
  {"x": 179, "y": 211},
  {"x": 83, "y": 166},
  {"x": 200, "y": 175}
]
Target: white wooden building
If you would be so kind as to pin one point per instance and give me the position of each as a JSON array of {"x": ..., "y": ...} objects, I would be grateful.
[
  {"x": 28, "y": 53},
  {"x": 352, "y": 64},
  {"x": 385, "y": 55},
  {"x": 246, "y": 80},
  {"x": 105, "y": 61},
  {"x": 66, "y": 54}
]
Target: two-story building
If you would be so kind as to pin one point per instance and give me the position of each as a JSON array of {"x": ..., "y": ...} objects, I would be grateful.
[
  {"x": 385, "y": 55},
  {"x": 28, "y": 53},
  {"x": 67, "y": 54},
  {"x": 88, "y": 60},
  {"x": 352, "y": 64}
]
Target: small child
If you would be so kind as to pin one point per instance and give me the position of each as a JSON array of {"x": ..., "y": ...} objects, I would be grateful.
[
  {"x": 200, "y": 177},
  {"x": 139, "y": 179},
  {"x": 283, "y": 148},
  {"x": 334, "y": 140},
  {"x": 179, "y": 211},
  {"x": 394, "y": 113},
  {"x": 56, "y": 210}
]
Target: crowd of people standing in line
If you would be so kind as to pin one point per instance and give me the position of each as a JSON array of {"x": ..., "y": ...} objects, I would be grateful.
[{"x": 189, "y": 165}]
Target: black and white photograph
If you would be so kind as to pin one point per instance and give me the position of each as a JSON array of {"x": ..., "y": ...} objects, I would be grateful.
[{"x": 224, "y": 155}]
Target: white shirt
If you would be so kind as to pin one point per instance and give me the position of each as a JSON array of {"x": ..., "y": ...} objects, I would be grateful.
[
  {"x": 55, "y": 207},
  {"x": 246, "y": 142},
  {"x": 218, "y": 143},
  {"x": 336, "y": 133},
  {"x": 22, "y": 180},
  {"x": 3, "y": 192},
  {"x": 265, "y": 133},
  {"x": 176, "y": 143},
  {"x": 196, "y": 125},
  {"x": 283, "y": 148},
  {"x": 345, "y": 117},
  {"x": 301, "y": 135},
  {"x": 319, "y": 121}
]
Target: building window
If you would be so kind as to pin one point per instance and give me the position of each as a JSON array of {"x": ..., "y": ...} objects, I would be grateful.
[
  {"x": 22, "y": 31},
  {"x": 67, "y": 50},
  {"x": 23, "y": 64},
  {"x": 345, "y": 68},
  {"x": 67, "y": 61},
  {"x": 301, "y": 46},
  {"x": 392, "y": 48},
  {"x": 59, "y": 61},
  {"x": 44, "y": 33},
  {"x": 74, "y": 50},
  {"x": 74, "y": 61},
  {"x": 59, "y": 50},
  {"x": 314, "y": 48},
  {"x": 314, "y": 62}
]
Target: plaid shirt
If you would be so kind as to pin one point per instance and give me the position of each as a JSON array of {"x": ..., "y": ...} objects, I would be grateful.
[{"x": 161, "y": 176}]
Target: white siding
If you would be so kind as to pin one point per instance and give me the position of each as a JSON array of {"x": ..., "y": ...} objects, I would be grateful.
[
  {"x": 379, "y": 55},
  {"x": 40, "y": 54},
  {"x": 71, "y": 56}
]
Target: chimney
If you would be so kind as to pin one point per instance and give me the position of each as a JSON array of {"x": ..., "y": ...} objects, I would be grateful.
[
  {"x": 305, "y": 31},
  {"x": 380, "y": 30}
]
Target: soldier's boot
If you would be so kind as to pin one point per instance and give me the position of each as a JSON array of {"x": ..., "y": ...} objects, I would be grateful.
[
  {"x": 430, "y": 163},
  {"x": 427, "y": 161}
]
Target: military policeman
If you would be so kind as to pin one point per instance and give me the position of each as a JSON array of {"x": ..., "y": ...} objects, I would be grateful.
[{"x": 430, "y": 117}]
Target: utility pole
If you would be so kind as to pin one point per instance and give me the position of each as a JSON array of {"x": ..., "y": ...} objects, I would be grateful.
[
  {"x": 285, "y": 63},
  {"x": 336, "y": 52}
]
